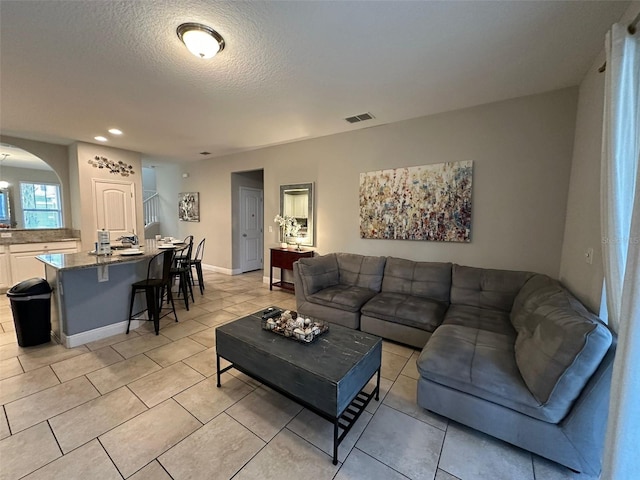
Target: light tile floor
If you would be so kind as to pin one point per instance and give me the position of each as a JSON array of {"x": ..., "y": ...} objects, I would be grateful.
[{"x": 142, "y": 406}]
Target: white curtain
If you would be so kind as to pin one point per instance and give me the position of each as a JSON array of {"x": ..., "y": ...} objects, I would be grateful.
[{"x": 620, "y": 194}]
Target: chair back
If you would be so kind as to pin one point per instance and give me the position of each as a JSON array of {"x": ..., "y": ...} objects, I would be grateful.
[
  {"x": 160, "y": 266},
  {"x": 188, "y": 240},
  {"x": 199, "y": 251},
  {"x": 183, "y": 255}
]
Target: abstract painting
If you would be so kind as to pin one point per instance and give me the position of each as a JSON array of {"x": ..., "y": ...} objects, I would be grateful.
[
  {"x": 429, "y": 202},
  {"x": 189, "y": 207}
]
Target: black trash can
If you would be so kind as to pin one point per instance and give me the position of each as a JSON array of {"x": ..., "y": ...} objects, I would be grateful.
[{"x": 31, "y": 307}]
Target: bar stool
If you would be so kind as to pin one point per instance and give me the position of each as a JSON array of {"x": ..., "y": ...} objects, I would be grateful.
[
  {"x": 182, "y": 270},
  {"x": 158, "y": 278},
  {"x": 196, "y": 262}
]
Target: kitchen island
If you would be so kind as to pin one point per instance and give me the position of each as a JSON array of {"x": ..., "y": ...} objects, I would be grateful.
[{"x": 91, "y": 293}]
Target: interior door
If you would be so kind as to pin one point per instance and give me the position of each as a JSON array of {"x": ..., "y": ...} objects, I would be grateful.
[
  {"x": 251, "y": 235},
  {"x": 114, "y": 207}
]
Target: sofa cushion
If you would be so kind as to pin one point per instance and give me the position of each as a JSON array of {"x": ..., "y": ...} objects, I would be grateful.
[
  {"x": 559, "y": 346},
  {"x": 422, "y": 313},
  {"x": 532, "y": 294},
  {"x": 482, "y": 364},
  {"x": 360, "y": 270},
  {"x": 346, "y": 297},
  {"x": 480, "y": 318},
  {"x": 318, "y": 273},
  {"x": 419, "y": 279},
  {"x": 486, "y": 288}
]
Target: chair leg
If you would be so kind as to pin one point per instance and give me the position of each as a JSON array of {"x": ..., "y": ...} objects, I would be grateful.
[
  {"x": 182, "y": 286},
  {"x": 170, "y": 300},
  {"x": 189, "y": 282},
  {"x": 133, "y": 296},
  {"x": 152, "y": 310},
  {"x": 200, "y": 279}
]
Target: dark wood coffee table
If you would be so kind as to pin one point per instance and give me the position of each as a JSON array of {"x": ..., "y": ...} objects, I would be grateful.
[{"x": 327, "y": 376}]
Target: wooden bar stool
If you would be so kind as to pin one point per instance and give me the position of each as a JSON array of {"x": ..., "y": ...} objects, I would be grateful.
[{"x": 158, "y": 278}]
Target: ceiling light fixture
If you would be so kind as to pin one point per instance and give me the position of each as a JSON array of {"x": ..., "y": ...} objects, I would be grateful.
[
  {"x": 100, "y": 138},
  {"x": 202, "y": 41},
  {"x": 115, "y": 131}
]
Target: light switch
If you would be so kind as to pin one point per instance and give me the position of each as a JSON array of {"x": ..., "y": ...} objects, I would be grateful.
[{"x": 588, "y": 255}]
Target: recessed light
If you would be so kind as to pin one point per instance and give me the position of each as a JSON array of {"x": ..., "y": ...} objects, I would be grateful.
[
  {"x": 115, "y": 131},
  {"x": 100, "y": 138}
]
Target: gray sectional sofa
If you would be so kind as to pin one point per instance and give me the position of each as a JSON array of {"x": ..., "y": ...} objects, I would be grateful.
[{"x": 512, "y": 354}]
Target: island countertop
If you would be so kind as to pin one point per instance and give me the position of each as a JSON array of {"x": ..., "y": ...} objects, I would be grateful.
[{"x": 74, "y": 261}]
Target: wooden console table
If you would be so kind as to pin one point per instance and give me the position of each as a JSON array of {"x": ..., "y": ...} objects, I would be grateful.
[{"x": 283, "y": 259}]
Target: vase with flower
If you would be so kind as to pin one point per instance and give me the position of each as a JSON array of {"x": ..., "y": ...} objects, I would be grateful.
[{"x": 289, "y": 228}]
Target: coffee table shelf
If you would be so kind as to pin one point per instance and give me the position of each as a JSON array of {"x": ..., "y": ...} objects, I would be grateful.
[{"x": 328, "y": 377}]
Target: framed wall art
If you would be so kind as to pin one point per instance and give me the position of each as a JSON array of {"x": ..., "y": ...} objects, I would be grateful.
[
  {"x": 189, "y": 207},
  {"x": 429, "y": 202}
]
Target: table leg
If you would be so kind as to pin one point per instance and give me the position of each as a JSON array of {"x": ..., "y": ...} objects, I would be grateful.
[
  {"x": 218, "y": 370},
  {"x": 270, "y": 277},
  {"x": 378, "y": 387},
  {"x": 335, "y": 441}
]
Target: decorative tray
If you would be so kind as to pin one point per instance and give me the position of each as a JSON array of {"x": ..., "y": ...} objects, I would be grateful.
[{"x": 290, "y": 325}]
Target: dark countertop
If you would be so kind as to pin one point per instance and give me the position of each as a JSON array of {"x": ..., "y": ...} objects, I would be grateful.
[{"x": 74, "y": 261}]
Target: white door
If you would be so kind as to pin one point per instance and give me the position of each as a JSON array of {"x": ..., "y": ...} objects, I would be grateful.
[
  {"x": 114, "y": 207},
  {"x": 251, "y": 238}
]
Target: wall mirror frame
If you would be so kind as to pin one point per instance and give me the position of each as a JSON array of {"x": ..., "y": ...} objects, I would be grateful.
[{"x": 296, "y": 200}]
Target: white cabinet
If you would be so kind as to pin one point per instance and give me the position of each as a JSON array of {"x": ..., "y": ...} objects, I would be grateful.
[
  {"x": 24, "y": 263},
  {"x": 5, "y": 270}
]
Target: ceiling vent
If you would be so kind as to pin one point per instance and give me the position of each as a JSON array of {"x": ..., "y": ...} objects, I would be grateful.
[
  {"x": 360, "y": 117},
  {"x": 205, "y": 153}
]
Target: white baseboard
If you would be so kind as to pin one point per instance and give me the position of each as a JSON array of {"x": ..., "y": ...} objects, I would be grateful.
[
  {"x": 81, "y": 338},
  {"x": 226, "y": 271}
]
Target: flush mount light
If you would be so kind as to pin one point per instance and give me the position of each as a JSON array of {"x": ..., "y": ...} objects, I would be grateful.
[
  {"x": 100, "y": 138},
  {"x": 115, "y": 131},
  {"x": 202, "y": 41}
]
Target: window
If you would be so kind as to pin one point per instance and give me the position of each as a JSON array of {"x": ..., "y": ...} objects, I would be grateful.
[
  {"x": 41, "y": 205},
  {"x": 4, "y": 207}
]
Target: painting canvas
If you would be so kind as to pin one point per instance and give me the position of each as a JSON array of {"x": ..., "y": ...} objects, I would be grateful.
[
  {"x": 189, "y": 207},
  {"x": 429, "y": 202}
]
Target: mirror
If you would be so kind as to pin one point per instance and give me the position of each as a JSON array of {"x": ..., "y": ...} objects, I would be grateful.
[
  {"x": 33, "y": 197},
  {"x": 297, "y": 201}
]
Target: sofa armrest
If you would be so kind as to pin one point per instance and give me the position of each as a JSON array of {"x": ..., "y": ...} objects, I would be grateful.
[{"x": 301, "y": 297}]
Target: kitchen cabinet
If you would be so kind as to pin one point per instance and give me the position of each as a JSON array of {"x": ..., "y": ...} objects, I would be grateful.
[
  {"x": 5, "y": 272},
  {"x": 23, "y": 261}
]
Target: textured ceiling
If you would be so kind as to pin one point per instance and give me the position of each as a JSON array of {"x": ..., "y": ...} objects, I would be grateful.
[{"x": 69, "y": 70}]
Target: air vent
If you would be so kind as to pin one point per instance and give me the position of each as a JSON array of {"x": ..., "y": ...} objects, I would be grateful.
[
  {"x": 360, "y": 117},
  {"x": 205, "y": 153}
]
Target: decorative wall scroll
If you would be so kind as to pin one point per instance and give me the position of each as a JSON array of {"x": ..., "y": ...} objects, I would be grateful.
[
  {"x": 113, "y": 167},
  {"x": 429, "y": 202},
  {"x": 189, "y": 207}
]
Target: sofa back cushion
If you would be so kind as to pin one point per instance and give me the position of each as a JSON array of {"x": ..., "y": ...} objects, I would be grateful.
[
  {"x": 559, "y": 344},
  {"x": 318, "y": 273},
  {"x": 532, "y": 294},
  {"x": 419, "y": 279},
  {"x": 486, "y": 288},
  {"x": 360, "y": 270}
]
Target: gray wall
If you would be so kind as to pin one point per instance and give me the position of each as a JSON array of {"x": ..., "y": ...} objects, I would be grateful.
[
  {"x": 168, "y": 186},
  {"x": 521, "y": 148}
]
